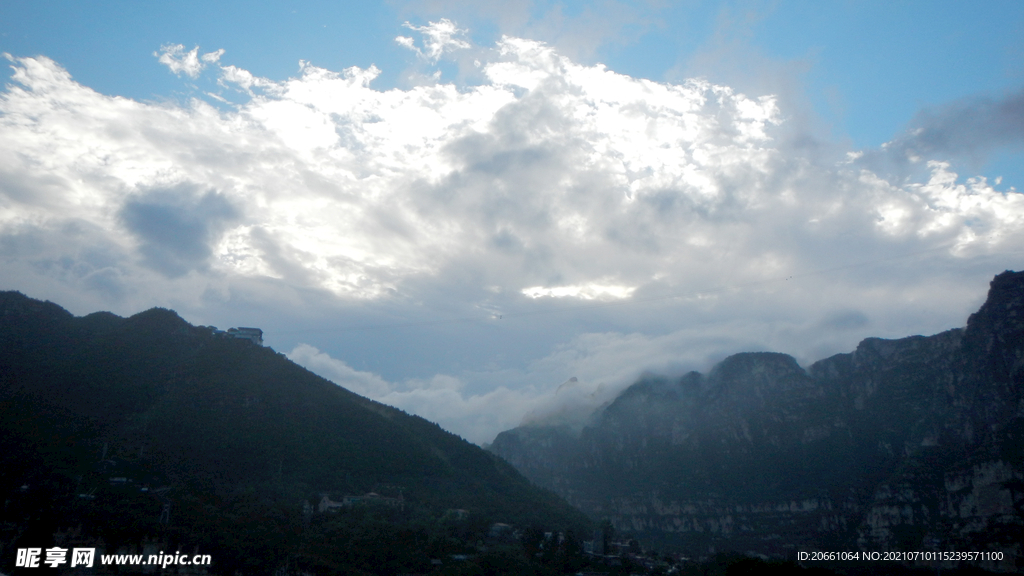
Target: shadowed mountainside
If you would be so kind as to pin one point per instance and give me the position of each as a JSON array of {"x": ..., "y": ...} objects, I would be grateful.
[
  {"x": 914, "y": 444},
  {"x": 149, "y": 429}
]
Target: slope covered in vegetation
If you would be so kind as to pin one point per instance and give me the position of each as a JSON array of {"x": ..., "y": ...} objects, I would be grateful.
[{"x": 122, "y": 431}]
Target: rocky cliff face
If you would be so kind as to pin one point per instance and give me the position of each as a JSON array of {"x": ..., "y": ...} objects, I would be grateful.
[{"x": 914, "y": 444}]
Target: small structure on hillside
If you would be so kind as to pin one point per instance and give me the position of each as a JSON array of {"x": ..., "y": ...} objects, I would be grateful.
[
  {"x": 375, "y": 499},
  {"x": 254, "y": 335},
  {"x": 370, "y": 498},
  {"x": 455, "y": 515},
  {"x": 501, "y": 532},
  {"x": 328, "y": 505}
]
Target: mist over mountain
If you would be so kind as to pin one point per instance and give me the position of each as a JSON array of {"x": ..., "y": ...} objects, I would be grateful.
[
  {"x": 128, "y": 433},
  {"x": 914, "y": 444}
]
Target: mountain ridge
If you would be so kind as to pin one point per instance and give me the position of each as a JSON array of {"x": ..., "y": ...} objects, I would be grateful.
[
  {"x": 99, "y": 412},
  {"x": 911, "y": 444}
]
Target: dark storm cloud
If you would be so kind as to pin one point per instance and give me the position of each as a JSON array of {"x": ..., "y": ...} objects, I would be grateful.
[
  {"x": 974, "y": 125},
  {"x": 177, "y": 226},
  {"x": 968, "y": 129}
]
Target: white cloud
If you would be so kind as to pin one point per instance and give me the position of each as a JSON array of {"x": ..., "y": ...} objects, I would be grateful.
[
  {"x": 607, "y": 363},
  {"x": 476, "y": 418},
  {"x": 362, "y": 383},
  {"x": 682, "y": 207},
  {"x": 438, "y": 398},
  {"x": 601, "y": 365},
  {"x": 191, "y": 63},
  {"x": 438, "y": 38},
  {"x": 577, "y": 33},
  {"x": 585, "y": 292}
]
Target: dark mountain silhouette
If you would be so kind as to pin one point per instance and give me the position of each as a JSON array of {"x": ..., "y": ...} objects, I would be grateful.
[
  {"x": 914, "y": 444},
  {"x": 125, "y": 433}
]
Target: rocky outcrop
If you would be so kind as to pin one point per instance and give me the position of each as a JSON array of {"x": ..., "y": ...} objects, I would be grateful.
[{"x": 914, "y": 444}]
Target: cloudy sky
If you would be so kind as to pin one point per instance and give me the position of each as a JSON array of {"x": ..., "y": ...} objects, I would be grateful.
[{"x": 455, "y": 208}]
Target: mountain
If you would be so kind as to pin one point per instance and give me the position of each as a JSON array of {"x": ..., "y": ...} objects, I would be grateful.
[
  {"x": 124, "y": 433},
  {"x": 915, "y": 444}
]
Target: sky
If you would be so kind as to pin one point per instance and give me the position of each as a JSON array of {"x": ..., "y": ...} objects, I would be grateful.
[{"x": 491, "y": 215}]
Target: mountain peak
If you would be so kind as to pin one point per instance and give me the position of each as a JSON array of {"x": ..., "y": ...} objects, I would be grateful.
[
  {"x": 13, "y": 303},
  {"x": 893, "y": 446},
  {"x": 1003, "y": 311}
]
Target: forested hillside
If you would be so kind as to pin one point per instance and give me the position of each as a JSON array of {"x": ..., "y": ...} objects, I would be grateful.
[{"x": 118, "y": 432}]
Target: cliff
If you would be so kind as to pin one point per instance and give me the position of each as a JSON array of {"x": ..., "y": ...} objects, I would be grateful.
[{"x": 914, "y": 444}]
